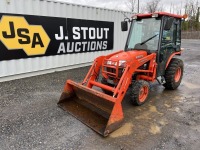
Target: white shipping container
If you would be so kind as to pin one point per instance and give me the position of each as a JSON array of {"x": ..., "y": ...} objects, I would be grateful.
[{"x": 19, "y": 68}]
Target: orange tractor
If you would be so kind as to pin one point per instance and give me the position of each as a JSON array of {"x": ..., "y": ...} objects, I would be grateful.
[{"x": 153, "y": 41}]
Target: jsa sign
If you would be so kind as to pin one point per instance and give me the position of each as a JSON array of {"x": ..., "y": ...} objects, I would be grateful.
[
  {"x": 24, "y": 36},
  {"x": 16, "y": 33}
]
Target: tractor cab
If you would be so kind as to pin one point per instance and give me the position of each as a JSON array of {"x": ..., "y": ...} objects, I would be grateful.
[{"x": 158, "y": 33}]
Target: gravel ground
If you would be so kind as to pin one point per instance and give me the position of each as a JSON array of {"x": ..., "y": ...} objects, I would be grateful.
[{"x": 30, "y": 118}]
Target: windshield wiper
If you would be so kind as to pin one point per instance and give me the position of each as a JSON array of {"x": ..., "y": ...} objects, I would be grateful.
[{"x": 148, "y": 39}]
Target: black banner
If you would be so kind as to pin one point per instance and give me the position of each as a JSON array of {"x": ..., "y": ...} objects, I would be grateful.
[{"x": 27, "y": 36}]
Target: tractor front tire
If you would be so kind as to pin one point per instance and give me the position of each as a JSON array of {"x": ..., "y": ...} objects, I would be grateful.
[
  {"x": 104, "y": 81},
  {"x": 173, "y": 74},
  {"x": 139, "y": 92}
]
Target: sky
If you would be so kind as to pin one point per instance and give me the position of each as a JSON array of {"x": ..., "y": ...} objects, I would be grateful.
[{"x": 122, "y": 4}]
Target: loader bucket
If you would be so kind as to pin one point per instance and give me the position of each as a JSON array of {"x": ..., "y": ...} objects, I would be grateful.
[{"x": 95, "y": 109}]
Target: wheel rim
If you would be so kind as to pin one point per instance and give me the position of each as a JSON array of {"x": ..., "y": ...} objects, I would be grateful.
[
  {"x": 143, "y": 93},
  {"x": 177, "y": 74}
]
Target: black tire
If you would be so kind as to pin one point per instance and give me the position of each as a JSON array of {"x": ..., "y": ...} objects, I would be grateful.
[
  {"x": 175, "y": 66},
  {"x": 135, "y": 96},
  {"x": 104, "y": 81}
]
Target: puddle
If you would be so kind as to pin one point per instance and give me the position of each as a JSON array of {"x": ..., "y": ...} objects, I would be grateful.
[
  {"x": 146, "y": 114},
  {"x": 163, "y": 122},
  {"x": 192, "y": 65},
  {"x": 154, "y": 109},
  {"x": 155, "y": 129},
  {"x": 177, "y": 98},
  {"x": 168, "y": 106},
  {"x": 190, "y": 85},
  {"x": 126, "y": 129},
  {"x": 191, "y": 100},
  {"x": 176, "y": 109}
]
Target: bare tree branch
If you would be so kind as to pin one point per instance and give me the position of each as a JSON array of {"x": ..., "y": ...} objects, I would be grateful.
[
  {"x": 131, "y": 4},
  {"x": 153, "y": 6},
  {"x": 191, "y": 9}
]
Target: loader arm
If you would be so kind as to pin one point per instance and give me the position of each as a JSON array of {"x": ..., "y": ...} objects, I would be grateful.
[{"x": 102, "y": 112}]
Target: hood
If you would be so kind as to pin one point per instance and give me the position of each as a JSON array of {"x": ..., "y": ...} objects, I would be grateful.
[{"x": 129, "y": 55}]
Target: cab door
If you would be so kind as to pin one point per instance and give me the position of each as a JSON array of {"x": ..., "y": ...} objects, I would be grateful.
[{"x": 170, "y": 42}]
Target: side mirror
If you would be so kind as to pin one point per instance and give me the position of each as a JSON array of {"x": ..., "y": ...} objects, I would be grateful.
[
  {"x": 124, "y": 26},
  {"x": 168, "y": 24}
]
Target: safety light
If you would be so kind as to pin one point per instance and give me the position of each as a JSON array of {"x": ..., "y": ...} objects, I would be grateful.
[
  {"x": 134, "y": 17},
  {"x": 185, "y": 16},
  {"x": 155, "y": 15}
]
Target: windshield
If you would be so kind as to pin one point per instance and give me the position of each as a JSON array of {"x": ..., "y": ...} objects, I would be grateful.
[{"x": 144, "y": 33}]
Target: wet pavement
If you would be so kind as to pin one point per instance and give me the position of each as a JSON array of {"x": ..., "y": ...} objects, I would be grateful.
[{"x": 30, "y": 118}]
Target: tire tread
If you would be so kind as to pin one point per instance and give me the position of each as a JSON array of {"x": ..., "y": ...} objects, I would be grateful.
[{"x": 170, "y": 73}]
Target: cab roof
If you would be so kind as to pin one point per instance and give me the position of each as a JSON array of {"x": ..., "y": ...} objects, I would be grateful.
[{"x": 149, "y": 15}]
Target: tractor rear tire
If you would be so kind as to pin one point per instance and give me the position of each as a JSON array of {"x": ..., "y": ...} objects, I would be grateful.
[
  {"x": 173, "y": 74},
  {"x": 104, "y": 81},
  {"x": 139, "y": 92}
]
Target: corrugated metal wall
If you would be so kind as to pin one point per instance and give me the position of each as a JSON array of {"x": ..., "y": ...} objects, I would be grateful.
[{"x": 33, "y": 66}]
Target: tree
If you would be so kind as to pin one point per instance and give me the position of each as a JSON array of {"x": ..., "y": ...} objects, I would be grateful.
[
  {"x": 153, "y": 6},
  {"x": 192, "y": 10},
  {"x": 131, "y": 4}
]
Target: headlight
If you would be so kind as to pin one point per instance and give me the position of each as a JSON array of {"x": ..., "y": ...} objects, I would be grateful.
[
  {"x": 109, "y": 62},
  {"x": 121, "y": 63}
]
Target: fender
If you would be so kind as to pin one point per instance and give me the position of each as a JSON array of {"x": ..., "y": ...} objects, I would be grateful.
[{"x": 172, "y": 55}]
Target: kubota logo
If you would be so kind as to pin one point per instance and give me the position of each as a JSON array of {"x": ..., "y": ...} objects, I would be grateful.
[{"x": 16, "y": 33}]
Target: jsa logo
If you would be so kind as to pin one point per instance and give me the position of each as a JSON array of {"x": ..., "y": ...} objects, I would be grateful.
[{"x": 16, "y": 33}]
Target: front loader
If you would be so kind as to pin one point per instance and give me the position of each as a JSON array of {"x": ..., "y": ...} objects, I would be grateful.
[{"x": 153, "y": 41}]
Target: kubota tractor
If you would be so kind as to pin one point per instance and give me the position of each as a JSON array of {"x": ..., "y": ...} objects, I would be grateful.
[{"x": 153, "y": 41}]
